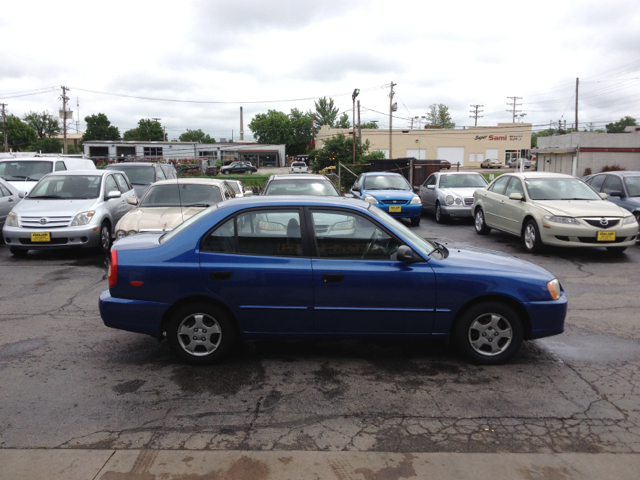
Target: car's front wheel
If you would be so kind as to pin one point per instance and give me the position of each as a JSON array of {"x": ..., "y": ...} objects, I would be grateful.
[
  {"x": 531, "y": 237},
  {"x": 481, "y": 226},
  {"x": 440, "y": 217},
  {"x": 415, "y": 221},
  {"x": 616, "y": 250},
  {"x": 200, "y": 333},
  {"x": 18, "y": 252},
  {"x": 104, "y": 243},
  {"x": 489, "y": 333}
]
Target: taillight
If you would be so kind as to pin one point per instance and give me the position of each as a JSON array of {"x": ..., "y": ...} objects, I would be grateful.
[{"x": 113, "y": 268}]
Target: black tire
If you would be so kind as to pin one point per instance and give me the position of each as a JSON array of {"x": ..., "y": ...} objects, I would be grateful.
[
  {"x": 481, "y": 226},
  {"x": 488, "y": 333},
  {"x": 440, "y": 217},
  {"x": 531, "y": 237},
  {"x": 217, "y": 329},
  {"x": 104, "y": 241},
  {"x": 415, "y": 221},
  {"x": 18, "y": 252},
  {"x": 616, "y": 250}
]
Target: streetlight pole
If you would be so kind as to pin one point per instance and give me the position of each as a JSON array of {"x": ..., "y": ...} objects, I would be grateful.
[{"x": 356, "y": 92}]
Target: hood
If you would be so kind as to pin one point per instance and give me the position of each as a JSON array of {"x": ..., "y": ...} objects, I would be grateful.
[
  {"x": 23, "y": 185},
  {"x": 390, "y": 194},
  {"x": 44, "y": 207},
  {"x": 156, "y": 218},
  {"x": 582, "y": 208}
]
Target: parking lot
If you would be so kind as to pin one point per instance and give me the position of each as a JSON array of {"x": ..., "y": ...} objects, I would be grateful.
[{"x": 67, "y": 381}]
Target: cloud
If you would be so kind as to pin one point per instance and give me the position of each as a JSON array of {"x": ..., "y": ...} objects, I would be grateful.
[{"x": 338, "y": 66}]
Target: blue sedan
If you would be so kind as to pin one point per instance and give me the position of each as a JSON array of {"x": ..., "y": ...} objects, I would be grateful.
[
  {"x": 389, "y": 192},
  {"x": 312, "y": 267}
]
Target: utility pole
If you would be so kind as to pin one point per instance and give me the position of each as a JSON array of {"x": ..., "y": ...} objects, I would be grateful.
[
  {"x": 157, "y": 121},
  {"x": 514, "y": 105},
  {"x": 4, "y": 127},
  {"x": 359, "y": 127},
  {"x": 391, "y": 119},
  {"x": 64, "y": 99},
  {"x": 476, "y": 112},
  {"x": 313, "y": 131},
  {"x": 356, "y": 92},
  {"x": 577, "y": 82}
]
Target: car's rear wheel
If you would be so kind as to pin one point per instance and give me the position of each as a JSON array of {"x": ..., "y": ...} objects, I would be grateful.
[
  {"x": 531, "y": 237},
  {"x": 489, "y": 333},
  {"x": 18, "y": 252},
  {"x": 481, "y": 226},
  {"x": 200, "y": 333},
  {"x": 440, "y": 217}
]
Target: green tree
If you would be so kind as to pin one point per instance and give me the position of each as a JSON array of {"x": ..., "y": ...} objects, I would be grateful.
[
  {"x": 196, "y": 136},
  {"x": 617, "y": 127},
  {"x": 45, "y": 124},
  {"x": 301, "y": 135},
  {"x": 438, "y": 116},
  {"x": 99, "y": 128},
  {"x": 372, "y": 125},
  {"x": 343, "y": 121},
  {"x": 148, "y": 130},
  {"x": 19, "y": 135},
  {"x": 293, "y": 130},
  {"x": 326, "y": 112},
  {"x": 46, "y": 145}
]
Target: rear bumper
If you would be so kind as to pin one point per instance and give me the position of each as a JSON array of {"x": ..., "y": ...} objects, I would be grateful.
[{"x": 132, "y": 315}]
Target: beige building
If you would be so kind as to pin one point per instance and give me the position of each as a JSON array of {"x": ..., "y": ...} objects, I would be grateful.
[{"x": 468, "y": 146}]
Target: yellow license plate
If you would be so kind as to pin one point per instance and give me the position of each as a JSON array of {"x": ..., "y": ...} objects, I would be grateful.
[
  {"x": 606, "y": 236},
  {"x": 396, "y": 208},
  {"x": 41, "y": 237}
]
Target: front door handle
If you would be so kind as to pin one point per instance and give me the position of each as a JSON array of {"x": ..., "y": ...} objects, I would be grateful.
[
  {"x": 220, "y": 275},
  {"x": 332, "y": 277}
]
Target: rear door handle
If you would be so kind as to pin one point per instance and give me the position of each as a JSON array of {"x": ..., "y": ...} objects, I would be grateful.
[
  {"x": 220, "y": 275},
  {"x": 332, "y": 277}
]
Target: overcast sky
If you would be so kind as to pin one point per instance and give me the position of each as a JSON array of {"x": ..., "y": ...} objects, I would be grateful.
[{"x": 281, "y": 55}]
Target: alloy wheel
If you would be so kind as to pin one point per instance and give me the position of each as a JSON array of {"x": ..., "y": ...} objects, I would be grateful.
[{"x": 490, "y": 334}]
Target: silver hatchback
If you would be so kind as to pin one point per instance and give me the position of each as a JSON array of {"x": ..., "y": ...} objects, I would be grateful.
[{"x": 69, "y": 209}]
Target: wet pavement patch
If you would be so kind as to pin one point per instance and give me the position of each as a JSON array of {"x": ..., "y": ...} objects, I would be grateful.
[
  {"x": 128, "y": 387},
  {"x": 592, "y": 347},
  {"x": 22, "y": 347}
]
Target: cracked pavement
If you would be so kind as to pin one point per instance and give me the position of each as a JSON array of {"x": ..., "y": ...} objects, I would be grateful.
[{"x": 67, "y": 381}]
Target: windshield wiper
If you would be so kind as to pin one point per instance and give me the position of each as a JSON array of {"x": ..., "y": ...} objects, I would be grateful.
[
  {"x": 49, "y": 196},
  {"x": 578, "y": 198},
  {"x": 197, "y": 205}
]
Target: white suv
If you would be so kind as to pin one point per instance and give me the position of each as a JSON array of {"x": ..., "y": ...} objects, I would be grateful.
[
  {"x": 24, "y": 172},
  {"x": 298, "y": 167}
]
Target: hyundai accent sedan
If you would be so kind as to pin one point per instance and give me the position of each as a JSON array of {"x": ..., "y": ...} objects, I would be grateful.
[
  {"x": 189, "y": 286},
  {"x": 545, "y": 208}
]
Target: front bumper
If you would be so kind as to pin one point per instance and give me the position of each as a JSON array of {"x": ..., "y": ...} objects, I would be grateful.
[
  {"x": 547, "y": 317},
  {"x": 561, "y": 235},
  {"x": 85, "y": 236},
  {"x": 132, "y": 315},
  {"x": 406, "y": 211},
  {"x": 456, "y": 210}
]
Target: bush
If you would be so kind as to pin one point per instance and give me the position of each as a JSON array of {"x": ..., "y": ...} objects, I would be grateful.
[
  {"x": 612, "y": 168},
  {"x": 587, "y": 171}
]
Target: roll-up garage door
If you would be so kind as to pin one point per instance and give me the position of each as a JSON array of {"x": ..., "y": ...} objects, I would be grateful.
[
  {"x": 492, "y": 153},
  {"x": 452, "y": 154}
]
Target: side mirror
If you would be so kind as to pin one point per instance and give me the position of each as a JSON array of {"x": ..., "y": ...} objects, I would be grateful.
[
  {"x": 113, "y": 194},
  {"x": 132, "y": 201},
  {"x": 355, "y": 189},
  {"x": 615, "y": 193},
  {"x": 248, "y": 193},
  {"x": 349, "y": 195},
  {"x": 416, "y": 188},
  {"x": 431, "y": 187},
  {"x": 516, "y": 196},
  {"x": 405, "y": 254},
  {"x": 603, "y": 195},
  {"x": 21, "y": 194}
]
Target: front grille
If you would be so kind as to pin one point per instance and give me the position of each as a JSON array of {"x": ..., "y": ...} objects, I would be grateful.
[
  {"x": 595, "y": 240},
  {"x": 468, "y": 201},
  {"x": 595, "y": 222},
  {"x": 56, "y": 221},
  {"x": 54, "y": 241},
  {"x": 395, "y": 202}
]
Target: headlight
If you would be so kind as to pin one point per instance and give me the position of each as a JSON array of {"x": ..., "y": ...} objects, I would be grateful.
[
  {"x": 565, "y": 220},
  {"x": 626, "y": 221},
  {"x": 371, "y": 200},
  {"x": 82, "y": 218},
  {"x": 449, "y": 200},
  {"x": 12, "y": 220},
  {"x": 272, "y": 226},
  {"x": 415, "y": 200},
  {"x": 120, "y": 234},
  {"x": 131, "y": 232},
  {"x": 348, "y": 225},
  {"x": 554, "y": 288}
]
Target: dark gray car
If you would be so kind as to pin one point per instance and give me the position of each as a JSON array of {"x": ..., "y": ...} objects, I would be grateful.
[
  {"x": 623, "y": 189},
  {"x": 144, "y": 174},
  {"x": 9, "y": 198}
]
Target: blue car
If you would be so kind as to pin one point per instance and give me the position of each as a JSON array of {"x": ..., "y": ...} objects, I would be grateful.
[
  {"x": 391, "y": 193},
  {"x": 277, "y": 267}
]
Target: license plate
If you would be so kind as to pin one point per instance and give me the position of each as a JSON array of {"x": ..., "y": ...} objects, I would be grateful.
[
  {"x": 606, "y": 236},
  {"x": 41, "y": 237},
  {"x": 396, "y": 208}
]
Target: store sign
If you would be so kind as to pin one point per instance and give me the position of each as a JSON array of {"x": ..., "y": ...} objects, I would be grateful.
[{"x": 498, "y": 137}]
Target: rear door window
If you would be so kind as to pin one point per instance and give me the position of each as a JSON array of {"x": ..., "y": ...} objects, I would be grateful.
[
  {"x": 597, "y": 181},
  {"x": 500, "y": 184}
]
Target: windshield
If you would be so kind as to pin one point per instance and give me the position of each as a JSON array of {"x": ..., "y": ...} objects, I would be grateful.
[
  {"x": 386, "y": 182},
  {"x": 423, "y": 246},
  {"x": 181, "y": 195},
  {"x": 169, "y": 235},
  {"x": 462, "y": 181},
  {"x": 559, "y": 189},
  {"x": 137, "y": 175},
  {"x": 302, "y": 187},
  {"x": 28, "y": 171},
  {"x": 71, "y": 187},
  {"x": 633, "y": 186}
]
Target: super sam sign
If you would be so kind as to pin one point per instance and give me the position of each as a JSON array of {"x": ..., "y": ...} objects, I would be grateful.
[{"x": 498, "y": 137}]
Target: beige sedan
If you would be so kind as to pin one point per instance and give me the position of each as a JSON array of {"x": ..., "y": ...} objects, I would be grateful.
[
  {"x": 168, "y": 203},
  {"x": 546, "y": 208}
]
